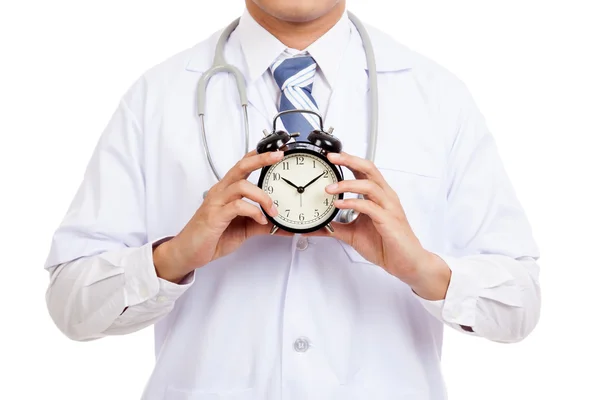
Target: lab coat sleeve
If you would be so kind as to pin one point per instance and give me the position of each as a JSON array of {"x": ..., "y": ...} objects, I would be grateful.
[
  {"x": 494, "y": 288},
  {"x": 113, "y": 293},
  {"x": 102, "y": 275}
]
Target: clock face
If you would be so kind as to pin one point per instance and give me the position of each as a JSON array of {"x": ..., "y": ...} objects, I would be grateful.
[{"x": 297, "y": 186}]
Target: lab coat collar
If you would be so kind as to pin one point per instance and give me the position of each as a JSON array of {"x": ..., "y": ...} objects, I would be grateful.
[{"x": 389, "y": 55}]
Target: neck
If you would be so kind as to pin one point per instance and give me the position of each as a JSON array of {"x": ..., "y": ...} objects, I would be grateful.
[{"x": 296, "y": 35}]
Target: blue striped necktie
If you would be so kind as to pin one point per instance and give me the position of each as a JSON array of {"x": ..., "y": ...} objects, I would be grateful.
[{"x": 295, "y": 77}]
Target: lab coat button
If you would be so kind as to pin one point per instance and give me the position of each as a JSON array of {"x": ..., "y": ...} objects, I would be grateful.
[
  {"x": 301, "y": 345},
  {"x": 302, "y": 243},
  {"x": 161, "y": 299}
]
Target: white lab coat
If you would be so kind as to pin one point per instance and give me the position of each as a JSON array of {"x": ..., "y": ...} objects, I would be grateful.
[{"x": 234, "y": 332}]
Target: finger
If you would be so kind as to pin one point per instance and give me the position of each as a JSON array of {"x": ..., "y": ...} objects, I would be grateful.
[
  {"x": 362, "y": 186},
  {"x": 364, "y": 206},
  {"x": 243, "y": 168},
  {"x": 250, "y": 153},
  {"x": 252, "y": 192},
  {"x": 361, "y": 168},
  {"x": 218, "y": 187},
  {"x": 242, "y": 208}
]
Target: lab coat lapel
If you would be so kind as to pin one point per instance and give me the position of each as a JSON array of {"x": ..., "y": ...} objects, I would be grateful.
[
  {"x": 268, "y": 105},
  {"x": 258, "y": 99},
  {"x": 348, "y": 106},
  {"x": 350, "y": 102}
]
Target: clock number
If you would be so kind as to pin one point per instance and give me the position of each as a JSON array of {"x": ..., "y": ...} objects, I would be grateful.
[
  {"x": 326, "y": 202},
  {"x": 301, "y": 217},
  {"x": 276, "y": 202},
  {"x": 314, "y": 164},
  {"x": 287, "y": 213},
  {"x": 276, "y": 176},
  {"x": 326, "y": 174},
  {"x": 270, "y": 190},
  {"x": 300, "y": 160},
  {"x": 286, "y": 166},
  {"x": 316, "y": 213}
]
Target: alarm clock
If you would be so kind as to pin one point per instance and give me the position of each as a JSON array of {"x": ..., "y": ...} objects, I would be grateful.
[{"x": 297, "y": 182}]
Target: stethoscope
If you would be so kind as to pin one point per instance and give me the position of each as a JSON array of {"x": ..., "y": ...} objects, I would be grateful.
[{"x": 221, "y": 65}]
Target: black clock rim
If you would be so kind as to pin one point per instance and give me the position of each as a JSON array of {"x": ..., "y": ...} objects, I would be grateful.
[{"x": 336, "y": 210}]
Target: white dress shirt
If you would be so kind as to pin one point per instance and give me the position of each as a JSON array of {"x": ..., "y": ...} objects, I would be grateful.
[{"x": 295, "y": 318}]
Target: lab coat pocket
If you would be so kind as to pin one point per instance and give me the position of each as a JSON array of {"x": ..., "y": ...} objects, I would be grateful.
[
  {"x": 236, "y": 394},
  {"x": 422, "y": 198},
  {"x": 417, "y": 190}
]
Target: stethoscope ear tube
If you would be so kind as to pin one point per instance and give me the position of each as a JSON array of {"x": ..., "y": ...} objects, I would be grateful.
[
  {"x": 220, "y": 65},
  {"x": 348, "y": 216}
]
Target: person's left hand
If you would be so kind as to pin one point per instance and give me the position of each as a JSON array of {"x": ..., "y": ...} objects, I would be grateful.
[{"x": 381, "y": 233}]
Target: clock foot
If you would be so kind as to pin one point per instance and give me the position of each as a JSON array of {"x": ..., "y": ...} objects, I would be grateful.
[
  {"x": 273, "y": 230},
  {"x": 329, "y": 228}
]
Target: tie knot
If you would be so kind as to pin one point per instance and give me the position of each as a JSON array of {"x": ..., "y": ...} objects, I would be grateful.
[{"x": 295, "y": 72}]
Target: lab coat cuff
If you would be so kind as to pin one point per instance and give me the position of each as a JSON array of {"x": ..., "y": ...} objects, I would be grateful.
[
  {"x": 141, "y": 281},
  {"x": 172, "y": 291},
  {"x": 459, "y": 308}
]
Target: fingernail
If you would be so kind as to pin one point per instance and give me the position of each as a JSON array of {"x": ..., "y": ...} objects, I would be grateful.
[
  {"x": 334, "y": 156},
  {"x": 331, "y": 187},
  {"x": 274, "y": 211},
  {"x": 338, "y": 203},
  {"x": 276, "y": 155},
  {"x": 263, "y": 220}
]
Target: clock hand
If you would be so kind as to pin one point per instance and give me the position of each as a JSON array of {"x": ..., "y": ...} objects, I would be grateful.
[
  {"x": 314, "y": 180},
  {"x": 300, "y": 189},
  {"x": 288, "y": 182}
]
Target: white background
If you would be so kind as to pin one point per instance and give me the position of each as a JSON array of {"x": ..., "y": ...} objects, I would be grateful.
[{"x": 533, "y": 66}]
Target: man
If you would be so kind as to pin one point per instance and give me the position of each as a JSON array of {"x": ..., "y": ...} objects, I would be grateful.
[{"x": 239, "y": 314}]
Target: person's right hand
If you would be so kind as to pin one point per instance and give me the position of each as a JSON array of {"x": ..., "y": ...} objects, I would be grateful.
[{"x": 222, "y": 223}]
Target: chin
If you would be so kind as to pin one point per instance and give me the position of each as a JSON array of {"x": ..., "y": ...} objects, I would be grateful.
[{"x": 296, "y": 11}]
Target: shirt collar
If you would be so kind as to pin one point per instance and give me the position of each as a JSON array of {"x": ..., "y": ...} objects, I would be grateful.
[{"x": 261, "y": 48}]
